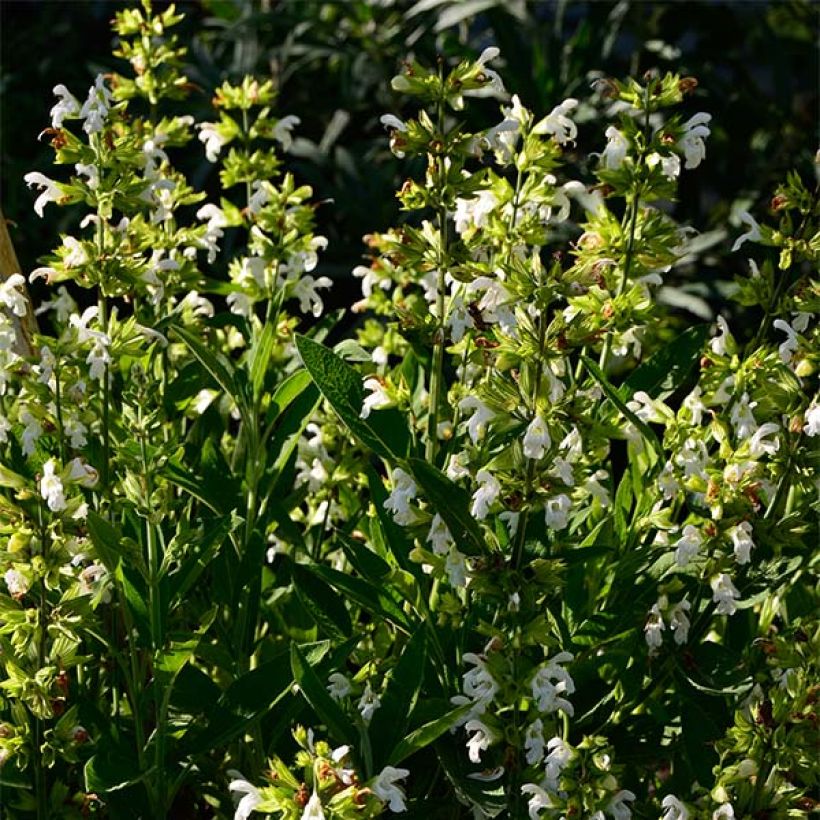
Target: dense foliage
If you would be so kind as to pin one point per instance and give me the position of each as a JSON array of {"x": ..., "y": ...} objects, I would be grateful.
[{"x": 519, "y": 544}]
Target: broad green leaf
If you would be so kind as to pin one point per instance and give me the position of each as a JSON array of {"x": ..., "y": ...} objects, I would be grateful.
[
  {"x": 292, "y": 422},
  {"x": 198, "y": 555},
  {"x": 617, "y": 399},
  {"x": 325, "y": 606},
  {"x": 384, "y": 432},
  {"x": 327, "y": 710},
  {"x": 106, "y": 540},
  {"x": 368, "y": 564},
  {"x": 452, "y": 503},
  {"x": 260, "y": 357},
  {"x": 667, "y": 369},
  {"x": 389, "y": 721},
  {"x": 286, "y": 393},
  {"x": 179, "y": 474}
]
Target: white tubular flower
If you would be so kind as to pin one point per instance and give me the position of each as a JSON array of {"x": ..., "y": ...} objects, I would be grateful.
[
  {"x": 724, "y": 812},
  {"x": 495, "y": 85},
  {"x": 338, "y": 686},
  {"x": 679, "y": 622},
  {"x": 688, "y": 545},
  {"x": 97, "y": 360},
  {"x": 556, "y": 512},
  {"x": 787, "y": 348},
  {"x": 482, "y": 415},
  {"x": 473, "y": 213},
  {"x": 719, "y": 343},
  {"x": 32, "y": 430},
  {"x": 540, "y": 800},
  {"x": 386, "y": 789},
  {"x": 95, "y": 108},
  {"x": 653, "y": 629},
  {"x": 455, "y": 565},
  {"x": 10, "y": 295},
  {"x": 91, "y": 172},
  {"x": 313, "y": 808},
  {"x": 50, "y": 190},
  {"x": 392, "y": 122},
  {"x": 743, "y": 418},
  {"x": 558, "y": 124},
  {"x": 486, "y": 494},
  {"x": 534, "y": 742},
  {"x": 812, "y": 418},
  {"x": 82, "y": 473},
  {"x": 724, "y": 594},
  {"x": 377, "y": 399},
  {"x": 439, "y": 536},
  {"x": 692, "y": 142},
  {"x": 76, "y": 255},
  {"x": 742, "y": 543},
  {"x": 282, "y": 131},
  {"x": 250, "y": 796},
  {"x": 68, "y": 106},
  {"x": 481, "y": 740},
  {"x": 560, "y": 754},
  {"x": 752, "y": 235},
  {"x": 695, "y": 406},
  {"x": 478, "y": 683},
  {"x": 617, "y": 806},
  {"x": 240, "y": 304},
  {"x": 213, "y": 140},
  {"x": 305, "y": 291},
  {"x": 398, "y": 502},
  {"x": 549, "y": 682},
  {"x": 674, "y": 809},
  {"x": 537, "y": 439},
  {"x": 594, "y": 487},
  {"x": 616, "y": 148},
  {"x": 670, "y": 166},
  {"x": 368, "y": 703},
  {"x": 51, "y": 488},
  {"x": 16, "y": 583},
  {"x": 693, "y": 457},
  {"x": 260, "y": 196}
]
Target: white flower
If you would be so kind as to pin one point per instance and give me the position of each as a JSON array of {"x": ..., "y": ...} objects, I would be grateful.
[
  {"x": 687, "y": 546},
  {"x": 558, "y": 123},
  {"x": 240, "y": 304},
  {"x": 787, "y": 348},
  {"x": 5, "y": 426},
  {"x": 455, "y": 565},
  {"x": 32, "y": 430},
  {"x": 674, "y": 809},
  {"x": 617, "y": 806},
  {"x": 282, "y": 129},
  {"x": 670, "y": 165},
  {"x": 439, "y": 536},
  {"x": 693, "y": 457},
  {"x": 653, "y": 628},
  {"x": 743, "y": 418},
  {"x": 560, "y": 754},
  {"x": 478, "y": 683},
  {"x": 480, "y": 741},
  {"x": 391, "y": 121},
  {"x": 368, "y": 703},
  {"x": 812, "y": 418},
  {"x": 50, "y": 190},
  {"x": 17, "y": 583},
  {"x": 556, "y": 512},
  {"x": 210, "y": 135},
  {"x": 398, "y": 502},
  {"x": 719, "y": 342},
  {"x": 385, "y": 788},
  {"x": 474, "y": 212},
  {"x": 91, "y": 172},
  {"x": 691, "y": 142},
  {"x": 305, "y": 291},
  {"x": 82, "y": 473},
  {"x": 679, "y": 622},
  {"x": 695, "y": 406},
  {"x": 68, "y": 106},
  {"x": 752, "y": 235},
  {"x": 76, "y": 255},
  {"x": 534, "y": 742},
  {"x": 95, "y": 108},
  {"x": 377, "y": 399},
  {"x": 549, "y": 682},
  {"x": 537, "y": 438},
  {"x": 724, "y": 812},
  {"x": 617, "y": 145},
  {"x": 482, "y": 415},
  {"x": 539, "y": 800},
  {"x": 594, "y": 487},
  {"x": 313, "y": 808},
  {"x": 486, "y": 494},
  {"x": 97, "y": 360},
  {"x": 10, "y": 295},
  {"x": 724, "y": 594},
  {"x": 742, "y": 543},
  {"x": 339, "y": 686},
  {"x": 247, "y": 804},
  {"x": 51, "y": 488}
]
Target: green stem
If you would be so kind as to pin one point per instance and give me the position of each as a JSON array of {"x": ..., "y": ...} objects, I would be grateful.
[
  {"x": 59, "y": 404},
  {"x": 40, "y": 780}
]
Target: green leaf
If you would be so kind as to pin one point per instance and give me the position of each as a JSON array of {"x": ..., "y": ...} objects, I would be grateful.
[
  {"x": 328, "y": 711},
  {"x": 617, "y": 399},
  {"x": 384, "y": 432},
  {"x": 106, "y": 540},
  {"x": 667, "y": 369},
  {"x": 260, "y": 357},
  {"x": 198, "y": 556},
  {"x": 452, "y": 503},
  {"x": 325, "y": 606},
  {"x": 219, "y": 366},
  {"x": 427, "y": 734},
  {"x": 368, "y": 564},
  {"x": 292, "y": 423},
  {"x": 389, "y": 721}
]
